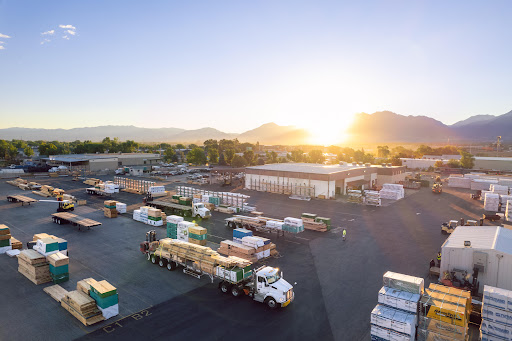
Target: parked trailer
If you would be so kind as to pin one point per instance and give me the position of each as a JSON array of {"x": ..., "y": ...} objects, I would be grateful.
[
  {"x": 73, "y": 219},
  {"x": 20, "y": 198},
  {"x": 253, "y": 224},
  {"x": 196, "y": 210},
  {"x": 97, "y": 191},
  {"x": 263, "y": 285}
]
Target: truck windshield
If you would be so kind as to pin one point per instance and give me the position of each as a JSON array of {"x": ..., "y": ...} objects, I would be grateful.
[
  {"x": 273, "y": 279},
  {"x": 200, "y": 206}
]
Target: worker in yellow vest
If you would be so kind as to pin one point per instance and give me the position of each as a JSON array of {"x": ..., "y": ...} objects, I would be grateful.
[
  {"x": 439, "y": 259},
  {"x": 344, "y": 234}
]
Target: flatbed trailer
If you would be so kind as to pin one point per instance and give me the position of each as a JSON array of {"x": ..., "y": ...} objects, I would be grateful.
[
  {"x": 73, "y": 219},
  {"x": 20, "y": 198},
  {"x": 97, "y": 191},
  {"x": 196, "y": 209},
  {"x": 262, "y": 285},
  {"x": 257, "y": 224}
]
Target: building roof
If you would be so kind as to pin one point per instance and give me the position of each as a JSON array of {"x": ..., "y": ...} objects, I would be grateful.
[
  {"x": 493, "y": 158},
  {"x": 87, "y": 157},
  {"x": 481, "y": 237},
  {"x": 311, "y": 168}
]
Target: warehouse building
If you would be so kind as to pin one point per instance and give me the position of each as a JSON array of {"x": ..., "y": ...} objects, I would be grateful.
[
  {"x": 318, "y": 180},
  {"x": 97, "y": 162},
  {"x": 493, "y": 163},
  {"x": 488, "y": 249}
]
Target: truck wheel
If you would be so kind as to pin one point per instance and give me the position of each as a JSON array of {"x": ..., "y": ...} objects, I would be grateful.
[
  {"x": 171, "y": 266},
  {"x": 154, "y": 259},
  {"x": 224, "y": 287},
  {"x": 231, "y": 225},
  {"x": 271, "y": 302},
  {"x": 162, "y": 262},
  {"x": 235, "y": 291}
]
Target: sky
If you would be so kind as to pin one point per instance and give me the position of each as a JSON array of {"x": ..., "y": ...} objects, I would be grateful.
[{"x": 234, "y": 65}]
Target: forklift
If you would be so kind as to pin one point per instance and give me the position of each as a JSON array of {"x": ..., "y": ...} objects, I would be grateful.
[
  {"x": 449, "y": 227},
  {"x": 64, "y": 205},
  {"x": 437, "y": 188}
]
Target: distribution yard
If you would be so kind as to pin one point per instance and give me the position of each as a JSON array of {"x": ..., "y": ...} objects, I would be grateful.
[{"x": 336, "y": 282}]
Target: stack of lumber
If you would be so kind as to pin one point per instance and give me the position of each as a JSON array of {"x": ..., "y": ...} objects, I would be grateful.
[
  {"x": 499, "y": 189},
  {"x": 392, "y": 191},
  {"x": 155, "y": 217},
  {"x": 17, "y": 182},
  {"x": 15, "y": 243},
  {"x": 109, "y": 209},
  {"x": 56, "y": 292},
  {"x": 34, "y": 266},
  {"x": 92, "y": 181},
  {"x": 84, "y": 285},
  {"x": 197, "y": 235},
  {"x": 5, "y": 239},
  {"x": 106, "y": 297},
  {"x": 354, "y": 196},
  {"x": 231, "y": 248},
  {"x": 59, "y": 267},
  {"x": 259, "y": 244},
  {"x": 459, "y": 181},
  {"x": 496, "y": 314},
  {"x": 158, "y": 191},
  {"x": 44, "y": 238},
  {"x": 82, "y": 307},
  {"x": 46, "y": 191}
]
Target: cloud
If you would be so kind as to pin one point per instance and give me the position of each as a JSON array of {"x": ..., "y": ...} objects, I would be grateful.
[
  {"x": 51, "y": 32},
  {"x": 45, "y": 41},
  {"x": 71, "y": 32},
  {"x": 65, "y": 37},
  {"x": 2, "y": 48},
  {"x": 4, "y": 36},
  {"x": 68, "y": 26}
]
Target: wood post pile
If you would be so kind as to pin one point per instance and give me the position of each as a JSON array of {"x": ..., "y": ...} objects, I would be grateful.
[{"x": 16, "y": 182}]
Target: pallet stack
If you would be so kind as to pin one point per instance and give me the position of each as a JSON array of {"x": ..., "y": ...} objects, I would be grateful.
[
  {"x": 172, "y": 226},
  {"x": 15, "y": 243},
  {"x": 508, "y": 211},
  {"x": 496, "y": 314},
  {"x": 82, "y": 307},
  {"x": 491, "y": 202},
  {"x": 5, "y": 239},
  {"x": 395, "y": 316},
  {"x": 120, "y": 207},
  {"x": 155, "y": 217},
  {"x": 141, "y": 214},
  {"x": 59, "y": 267},
  {"x": 197, "y": 235},
  {"x": 240, "y": 233},
  {"x": 231, "y": 248},
  {"x": 311, "y": 222},
  {"x": 293, "y": 225},
  {"x": 34, "y": 266},
  {"x": 106, "y": 298},
  {"x": 182, "y": 230},
  {"x": 444, "y": 313},
  {"x": 109, "y": 208}
]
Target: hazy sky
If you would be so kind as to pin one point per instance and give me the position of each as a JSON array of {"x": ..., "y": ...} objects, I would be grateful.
[{"x": 234, "y": 65}]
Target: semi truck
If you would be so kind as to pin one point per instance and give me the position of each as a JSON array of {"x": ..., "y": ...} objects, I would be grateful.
[
  {"x": 197, "y": 210},
  {"x": 264, "y": 284}
]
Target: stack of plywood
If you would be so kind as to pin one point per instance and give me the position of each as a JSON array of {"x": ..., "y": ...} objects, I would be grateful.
[
  {"x": 15, "y": 243},
  {"x": 17, "y": 182},
  {"x": 231, "y": 248},
  {"x": 5, "y": 239},
  {"x": 496, "y": 314},
  {"x": 106, "y": 297},
  {"x": 59, "y": 267},
  {"x": 84, "y": 285},
  {"x": 34, "y": 266},
  {"x": 82, "y": 307},
  {"x": 109, "y": 209}
]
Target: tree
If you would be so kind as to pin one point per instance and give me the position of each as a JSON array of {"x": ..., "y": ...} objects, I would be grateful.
[
  {"x": 453, "y": 163},
  {"x": 438, "y": 164},
  {"x": 297, "y": 155},
  {"x": 192, "y": 146},
  {"x": 180, "y": 146},
  {"x": 467, "y": 161},
  {"x": 238, "y": 161},
  {"x": 316, "y": 156},
  {"x": 222, "y": 159},
  {"x": 48, "y": 149},
  {"x": 28, "y": 151},
  {"x": 249, "y": 157},
  {"x": 272, "y": 157},
  {"x": 228, "y": 155},
  {"x": 213, "y": 156},
  {"x": 424, "y": 150},
  {"x": 169, "y": 154},
  {"x": 261, "y": 162},
  {"x": 211, "y": 144},
  {"x": 383, "y": 151},
  {"x": 395, "y": 161},
  {"x": 196, "y": 156}
]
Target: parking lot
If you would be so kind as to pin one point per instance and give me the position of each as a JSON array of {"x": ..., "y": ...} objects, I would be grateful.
[{"x": 336, "y": 282}]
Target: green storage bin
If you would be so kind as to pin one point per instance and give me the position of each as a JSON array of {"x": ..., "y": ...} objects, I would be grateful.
[
  {"x": 197, "y": 236},
  {"x": 5, "y": 242},
  {"x": 104, "y": 302},
  {"x": 176, "y": 197},
  {"x": 57, "y": 279},
  {"x": 59, "y": 270}
]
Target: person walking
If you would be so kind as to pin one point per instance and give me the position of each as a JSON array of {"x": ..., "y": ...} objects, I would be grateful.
[{"x": 344, "y": 234}]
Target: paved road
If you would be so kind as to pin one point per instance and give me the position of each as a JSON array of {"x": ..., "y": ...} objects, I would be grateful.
[{"x": 336, "y": 282}]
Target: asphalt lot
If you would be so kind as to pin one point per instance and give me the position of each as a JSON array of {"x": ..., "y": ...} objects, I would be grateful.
[{"x": 336, "y": 282}]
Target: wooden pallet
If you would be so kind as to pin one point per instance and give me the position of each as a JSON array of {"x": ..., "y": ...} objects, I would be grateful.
[{"x": 56, "y": 292}]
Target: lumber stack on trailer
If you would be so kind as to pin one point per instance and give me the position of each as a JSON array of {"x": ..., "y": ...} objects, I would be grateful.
[
  {"x": 231, "y": 248},
  {"x": 34, "y": 266},
  {"x": 82, "y": 307}
]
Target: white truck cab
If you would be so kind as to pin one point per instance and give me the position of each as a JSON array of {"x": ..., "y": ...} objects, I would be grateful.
[
  {"x": 271, "y": 288},
  {"x": 198, "y": 209}
]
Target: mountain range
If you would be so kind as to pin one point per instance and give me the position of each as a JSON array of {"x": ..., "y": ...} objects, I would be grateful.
[{"x": 379, "y": 127}]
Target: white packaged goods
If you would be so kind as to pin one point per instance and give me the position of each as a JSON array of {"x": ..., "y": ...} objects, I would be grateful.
[
  {"x": 408, "y": 301},
  {"x": 497, "y": 297},
  {"x": 492, "y": 314},
  {"x": 156, "y": 189},
  {"x": 503, "y": 190},
  {"x": 120, "y": 207},
  {"x": 144, "y": 210},
  {"x": 174, "y": 219},
  {"x": 110, "y": 311},
  {"x": 275, "y": 224},
  {"x": 185, "y": 224},
  {"x": 12, "y": 253},
  {"x": 504, "y": 199},
  {"x": 394, "y": 319},
  {"x": 496, "y": 329},
  {"x": 252, "y": 242},
  {"x": 392, "y": 191},
  {"x": 196, "y": 200},
  {"x": 407, "y": 283},
  {"x": 459, "y": 182},
  {"x": 4, "y": 249},
  {"x": 508, "y": 212},
  {"x": 482, "y": 184},
  {"x": 379, "y": 333},
  {"x": 266, "y": 253},
  {"x": 391, "y": 297},
  {"x": 41, "y": 251},
  {"x": 155, "y": 222},
  {"x": 293, "y": 221},
  {"x": 259, "y": 255},
  {"x": 491, "y": 202},
  {"x": 382, "y": 316}
]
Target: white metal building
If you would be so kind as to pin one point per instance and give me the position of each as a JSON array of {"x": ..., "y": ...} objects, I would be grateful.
[
  {"x": 490, "y": 251},
  {"x": 493, "y": 163}
]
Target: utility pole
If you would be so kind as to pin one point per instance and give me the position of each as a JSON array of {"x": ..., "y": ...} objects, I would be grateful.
[{"x": 498, "y": 143}]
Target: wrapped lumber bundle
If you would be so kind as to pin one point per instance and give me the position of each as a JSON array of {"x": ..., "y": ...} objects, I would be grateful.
[
  {"x": 34, "y": 266},
  {"x": 59, "y": 267},
  {"x": 482, "y": 184},
  {"x": 394, "y": 323},
  {"x": 459, "y": 182},
  {"x": 157, "y": 191},
  {"x": 256, "y": 243},
  {"x": 293, "y": 225},
  {"x": 499, "y": 189},
  {"x": 155, "y": 217},
  {"x": 233, "y": 274},
  {"x": 5, "y": 239},
  {"x": 197, "y": 235},
  {"x": 326, "y": 221},
  {"x": 106, "y": 297},
  {"x": 508, "y": 211},
  {"x": 202, "y": 257},
  {"x": 240, "y": 233},
  {"x": 172, "y": 226},
  {"x": 402, "y": 282},
  {"x": 47, "y": 246},
  {"x": 109, "y": 208},
  {"x": 230, "y": 248},
  {"x": 120, "y": 207},
  {"x": 491, "y": 202},
  {"x": 496, "y": 314},
  {"x": 82, "y": 307}
]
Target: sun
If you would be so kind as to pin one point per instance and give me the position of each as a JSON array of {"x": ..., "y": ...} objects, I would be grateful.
[{"x": 327, "y": 132}]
